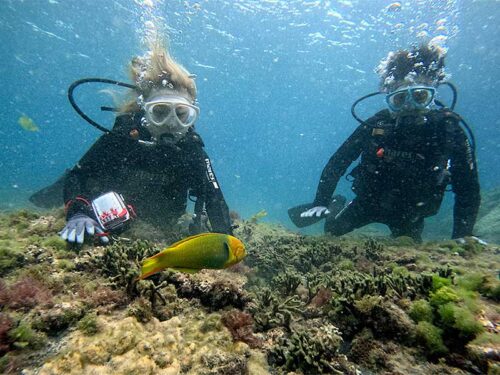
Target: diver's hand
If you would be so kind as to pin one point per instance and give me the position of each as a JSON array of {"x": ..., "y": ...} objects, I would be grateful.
[
  {"x": 315, "y": 211},
  {"x": 75, "y": 228},
  {"x": 463, "y": 241}
]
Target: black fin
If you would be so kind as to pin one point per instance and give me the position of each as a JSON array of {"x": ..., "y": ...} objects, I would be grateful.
[
  {"x": 336, "y": 205},
  {"x": 301, "y": 222},
  {"x": 50, "y": 196}
]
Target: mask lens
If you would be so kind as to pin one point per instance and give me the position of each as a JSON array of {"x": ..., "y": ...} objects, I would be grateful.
[
  {"x": 159, "y": 112},
  {"x": 398, "y": 99},
  {"x": 185, "y": 114},
  {"x": 422, "y": 96}
]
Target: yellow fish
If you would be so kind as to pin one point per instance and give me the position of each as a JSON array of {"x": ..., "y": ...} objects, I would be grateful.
[
  {"x": 27, "y": 124},
  {"x": 206, "y": 250}
]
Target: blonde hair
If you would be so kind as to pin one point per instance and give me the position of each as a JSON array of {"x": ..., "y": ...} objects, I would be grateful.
[{"x": 155, "y": 70}]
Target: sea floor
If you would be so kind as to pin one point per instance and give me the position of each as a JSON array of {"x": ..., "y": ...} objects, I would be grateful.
[{"x": 296, "y": 305}]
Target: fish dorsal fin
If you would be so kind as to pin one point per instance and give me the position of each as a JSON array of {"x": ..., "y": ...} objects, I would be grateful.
[{"x": 189, "y": 239}]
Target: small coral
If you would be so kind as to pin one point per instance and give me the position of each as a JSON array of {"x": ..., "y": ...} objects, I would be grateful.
[
  {"x": 385, "y": 318},
  {"x": 269, "y": 310},
  {"x": 58, "y": 318},
  {"x": 89, "y": 324},
  {"x": 121, "y": 262},
  {"x": 287, "y": 282},
  {"x": 366, "y": 350},
  {"x": 141, "y": 309},
  {"x": 373, "y": 250},
  {"x": 311, "y": 349},
  {"x": 214, "y": 289},
  {"x": 220, "y": 363},
  {"x": 240, "y": 324}
]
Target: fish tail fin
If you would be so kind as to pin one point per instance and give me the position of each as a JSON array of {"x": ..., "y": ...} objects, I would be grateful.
[{"x": 152, "y": 265}]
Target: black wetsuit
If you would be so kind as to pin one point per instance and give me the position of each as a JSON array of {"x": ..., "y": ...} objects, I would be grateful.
[
  {"x": 401, "y": 178},
  {"x": 155, "y": 180}
]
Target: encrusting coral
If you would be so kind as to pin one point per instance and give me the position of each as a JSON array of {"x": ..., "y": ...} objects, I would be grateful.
[{"x": 183, "y": 344}]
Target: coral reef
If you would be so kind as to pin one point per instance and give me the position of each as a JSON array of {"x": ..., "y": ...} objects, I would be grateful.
[{"x": 298, "y": 305}]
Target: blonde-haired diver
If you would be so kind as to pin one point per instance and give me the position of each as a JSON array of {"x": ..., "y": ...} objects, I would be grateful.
[{"x": 149, "y": 164}]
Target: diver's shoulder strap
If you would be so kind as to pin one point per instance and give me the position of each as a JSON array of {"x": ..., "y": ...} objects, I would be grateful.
[
  {"x": 125, "y": 122},
  {"x": 380, "y": 119},
  {"x": 193, "y": 138},
  {"x": 444, "y": 113}
]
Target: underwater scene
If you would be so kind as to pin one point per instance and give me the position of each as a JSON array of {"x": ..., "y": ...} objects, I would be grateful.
[{"x": 250, "y": 187}]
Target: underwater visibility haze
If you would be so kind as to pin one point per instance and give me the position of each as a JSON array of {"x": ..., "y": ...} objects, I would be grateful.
[{"x": 276, "y": 81}]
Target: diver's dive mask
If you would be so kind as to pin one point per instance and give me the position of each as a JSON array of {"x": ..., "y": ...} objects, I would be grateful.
[
  {"x": 169, "y": 115},
  {"x": 411, "y": 97}
]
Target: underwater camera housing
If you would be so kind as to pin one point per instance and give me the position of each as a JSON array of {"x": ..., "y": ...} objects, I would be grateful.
[
  {"x": 111, "y": 211},
  {"x": 454, "y": 90}
]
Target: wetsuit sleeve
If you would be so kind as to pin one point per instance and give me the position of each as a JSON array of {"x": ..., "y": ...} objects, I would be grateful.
[
  {"x": 464, "y": 180},
  {"x": 338, "y": 164},
  {"x": 99, "y": 161},
  {"x": 215, "y": 204}
]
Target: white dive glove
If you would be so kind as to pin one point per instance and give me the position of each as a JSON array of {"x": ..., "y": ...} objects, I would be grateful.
[
  {"x": 77, "y": 225},
  {"x": 462, "y": 240},
  {"x": 315, "y": 211}
]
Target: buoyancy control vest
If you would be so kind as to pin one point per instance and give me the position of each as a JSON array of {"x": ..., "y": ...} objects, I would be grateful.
[{"x": 404, "y": 165}]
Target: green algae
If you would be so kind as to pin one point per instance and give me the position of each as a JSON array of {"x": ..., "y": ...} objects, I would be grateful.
[
  {"x": 24, "y": 336},
  {"x": 89, "y": 324},
  {"x": 421, "y": 311},
  {"x": 431, "y": 337},
  {"x": 11, "y": 256},
  {"x": 442, "y": 296},
  {"x": 55, "y": 242},
  {"x": 438, "y": 282}
]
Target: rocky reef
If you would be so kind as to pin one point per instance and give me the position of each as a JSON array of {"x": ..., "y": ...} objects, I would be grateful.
[{"x": 296, "y": 305}]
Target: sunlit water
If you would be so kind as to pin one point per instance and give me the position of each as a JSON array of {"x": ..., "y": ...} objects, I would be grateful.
[{"x": 276, "y": 80}]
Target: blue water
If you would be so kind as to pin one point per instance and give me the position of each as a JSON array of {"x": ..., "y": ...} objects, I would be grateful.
[{"x": 276, "y": 80}]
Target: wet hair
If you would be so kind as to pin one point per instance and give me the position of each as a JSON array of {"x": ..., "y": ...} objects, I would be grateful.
[
  {"x": 420, "y": 65},
  {"x": 157, "y": 69}
]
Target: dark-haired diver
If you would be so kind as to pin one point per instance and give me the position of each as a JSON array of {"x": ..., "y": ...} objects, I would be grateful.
[
  {"x": 409, "y": 154},
  {"x": 152, "y": 158}
]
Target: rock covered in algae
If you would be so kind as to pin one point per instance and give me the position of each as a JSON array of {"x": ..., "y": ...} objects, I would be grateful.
[
  {"x": 185, "y": 344},
  {"x": 487, "y": 225}
]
